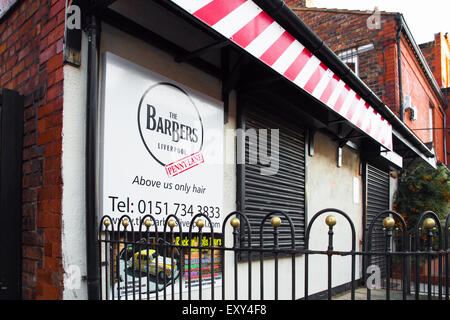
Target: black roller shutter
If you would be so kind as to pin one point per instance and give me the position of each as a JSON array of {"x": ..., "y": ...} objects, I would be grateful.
[
  {"x": 377, "y": 201},
  {"x": 284, "y": 191}
]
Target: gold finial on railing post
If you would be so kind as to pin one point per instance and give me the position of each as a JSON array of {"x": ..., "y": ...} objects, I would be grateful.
[
  {"x": 331, "y": 221},
  {"x": 171, "y": 224},
  {"x": 275, "y": 222},
  {"x": 148, "y": 223},
  {"x": 235, "y": 223},
  {"x": 388, "y": 223},
  {"x": 429, "y": 223},
  {"x": 200, "y": 223}
]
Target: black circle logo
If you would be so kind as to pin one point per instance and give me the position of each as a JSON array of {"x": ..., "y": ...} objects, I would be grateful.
[{"x": 169, "y": 123}]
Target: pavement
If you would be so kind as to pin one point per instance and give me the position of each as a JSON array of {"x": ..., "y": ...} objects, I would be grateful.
[{"x": 361, "y": 294}]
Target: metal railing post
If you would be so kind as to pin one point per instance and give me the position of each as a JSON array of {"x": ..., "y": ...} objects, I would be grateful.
[{"x": 331, "y": 222}]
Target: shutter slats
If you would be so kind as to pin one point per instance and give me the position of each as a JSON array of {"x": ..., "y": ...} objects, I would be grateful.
[
  {"x": 284, "y": 191},
  {"x": 377, "y": 201}
]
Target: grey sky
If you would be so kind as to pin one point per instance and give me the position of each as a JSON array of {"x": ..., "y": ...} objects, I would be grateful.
[{"x": 424, "y": 18}]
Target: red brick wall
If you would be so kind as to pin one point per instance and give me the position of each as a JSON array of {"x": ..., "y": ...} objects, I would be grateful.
[
  {"x": 432, "y": 53},
  {"x": 343, "y": 30},
  {"x": 423, "y": 97},
  {"x": 31, "y": 44},
  {"x": 437, "y": 54},
  {"x": 438, "y": 135}
]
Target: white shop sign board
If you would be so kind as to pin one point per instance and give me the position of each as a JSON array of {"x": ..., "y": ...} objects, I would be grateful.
[{"x": 161, "y": 148}]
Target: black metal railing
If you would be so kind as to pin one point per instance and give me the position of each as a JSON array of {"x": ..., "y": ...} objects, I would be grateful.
[{"x": 141, "y": 260}]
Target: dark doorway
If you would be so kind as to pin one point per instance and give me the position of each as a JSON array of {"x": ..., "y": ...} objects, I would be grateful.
[
  {"x": 11, "y": 136},
  {"x": 378, "y": 195}
]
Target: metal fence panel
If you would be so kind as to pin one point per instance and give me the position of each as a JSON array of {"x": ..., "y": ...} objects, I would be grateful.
[{"x": 161, "y": 262}]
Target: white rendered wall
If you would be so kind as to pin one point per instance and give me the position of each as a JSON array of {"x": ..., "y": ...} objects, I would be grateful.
[
  {"x": 393, "y": 187},
  {"x": 327, "y": 186},
  {"x": 331, "y": 187},
  {"x": 74, "y": 128},
  {"x": 73, "y": 173}
]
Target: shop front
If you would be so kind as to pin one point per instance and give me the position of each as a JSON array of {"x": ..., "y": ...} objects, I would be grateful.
[{"x": 198, "y": 109}]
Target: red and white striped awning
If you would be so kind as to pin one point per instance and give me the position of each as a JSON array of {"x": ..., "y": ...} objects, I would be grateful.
[{"x": 248, "y": 26}]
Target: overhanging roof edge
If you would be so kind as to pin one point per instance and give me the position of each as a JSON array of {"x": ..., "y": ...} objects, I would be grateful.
[
  {"x": 262, "y": 32},
  {"x": 429, "y": 160}
]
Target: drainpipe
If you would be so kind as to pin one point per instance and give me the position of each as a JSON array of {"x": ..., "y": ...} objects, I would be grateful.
[
  {"x": 444, "y": 133},
  {"x": 399, "y": 62},
  {"x": 92, "y": 246},
  {"x": 445, "y": 140}
]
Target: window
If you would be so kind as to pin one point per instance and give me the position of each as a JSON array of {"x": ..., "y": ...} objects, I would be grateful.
[
  {"x": 430, "y": 123},
  {"x": 350, "y": 57}
]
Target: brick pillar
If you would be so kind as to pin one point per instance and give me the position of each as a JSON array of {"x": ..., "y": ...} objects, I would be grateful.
[{"x": 31, "y": 62}]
